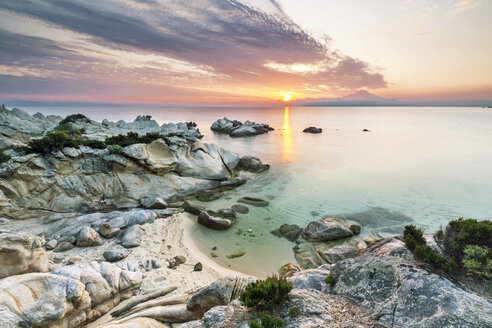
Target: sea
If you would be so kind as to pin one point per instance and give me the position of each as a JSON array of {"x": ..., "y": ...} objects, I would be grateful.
[{"x": 415, "y": 165}]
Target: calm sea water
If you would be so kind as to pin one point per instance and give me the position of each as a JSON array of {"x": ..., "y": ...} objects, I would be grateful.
[{"x": 421, "y": 165}]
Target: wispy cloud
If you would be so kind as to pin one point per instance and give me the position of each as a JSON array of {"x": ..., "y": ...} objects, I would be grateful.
[
  {"x": 464, "y": 5},
  {"x": 175, "y": 44}
]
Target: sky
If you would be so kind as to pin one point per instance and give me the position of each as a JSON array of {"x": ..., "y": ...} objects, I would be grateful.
[{"x": 244, "y": 52}]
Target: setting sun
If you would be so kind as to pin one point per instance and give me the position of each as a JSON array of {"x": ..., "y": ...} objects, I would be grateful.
[{"x": 287, "y": 97}]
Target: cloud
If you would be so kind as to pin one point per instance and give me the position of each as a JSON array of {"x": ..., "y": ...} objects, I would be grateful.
[
  {"x": 464, "y": 5},
  {"x": 223, "y": 42}
]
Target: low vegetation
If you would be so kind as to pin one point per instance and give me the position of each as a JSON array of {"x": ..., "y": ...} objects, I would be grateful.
[
  {"x": 466, "y": 248},
  {"x": 267, "y": 295},
  {"x": 294, "y": 312},
  {"x": 330, "y": 280},
  {"x": 65, "y": 135}
]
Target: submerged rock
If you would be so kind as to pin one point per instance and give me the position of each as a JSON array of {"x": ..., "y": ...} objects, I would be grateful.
[
  {"x": 288, "y": 231},
  {"x": 312, "y": 129},
  {"x": 235, "y": 254},
  {"x": 251, "y": 164},
  {"x": 21, "y": 253},
  {"x": 210, "y": 194},
  {"x": 240, "y": 209},
  {"x": 253, "y": 201}
]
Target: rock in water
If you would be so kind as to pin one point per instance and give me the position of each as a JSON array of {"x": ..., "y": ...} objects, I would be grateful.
[
  {"x": 326, "y": 229},
  {"x": 238, "y": 253},
  {"x": 132, "y": 236},
  {"x": 21, "y": 253},
  {"x": 240, "y": 209},
  {"x": 88, "y": 237},
  {"x": 254, "y": 201},
  {"x": 289, "y": 231},
  {"x": 216, "y": 223},
  {"x": 113, "y": 256},
  {"x": 153, "y": 203},
  {"x": 312, "y": 129}
]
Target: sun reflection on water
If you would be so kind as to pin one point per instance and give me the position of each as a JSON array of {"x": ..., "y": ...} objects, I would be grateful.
[{"x": 287, "y": 146}]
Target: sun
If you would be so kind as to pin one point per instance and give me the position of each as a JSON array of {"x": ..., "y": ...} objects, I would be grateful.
[{"x": 287, "y": 97}]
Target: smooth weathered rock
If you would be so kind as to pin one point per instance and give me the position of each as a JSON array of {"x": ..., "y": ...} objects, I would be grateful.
[
  {"x": 140, "y": 322},
  {"x": 114, "y": 255},
  {"x": 50, "y": 245},
  {"x": 193, "y": 208},
  {"x": 253, "y": 201},
  {"x": 107, "y": 231},
  {"x": 63, "y": 247},
  {"x": 326, "y": 229},
  {"x": 216, "y": 223},
  {"x": 220, "y": 292},
  {"x": 87, "y": 237},
  {"x": 312, "y": 129},
  {"x": 153, "y": 203},
  {"x": 288, "y": 231},
  {"x": 75, "y": 259},
  {"x": 132, "y": 236},
  {"x": 21, "y": 253},
  {"x": 399, "y": 293}
]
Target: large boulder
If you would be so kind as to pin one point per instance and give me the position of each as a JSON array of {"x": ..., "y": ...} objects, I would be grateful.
[
  {"x": 326, "y": 229},
  {"x": 21, "y": 253},
  {"x": 400, "y": 293},
  {"x": 251, "y": 164}
]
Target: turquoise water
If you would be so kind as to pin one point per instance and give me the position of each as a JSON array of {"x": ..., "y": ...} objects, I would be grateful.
[{"x": 421, "y": 165}]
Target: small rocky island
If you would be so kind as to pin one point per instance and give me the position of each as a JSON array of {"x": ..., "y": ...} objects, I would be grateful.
[
  {"x": 94, "y": 232},
  {"x": 236, "y": 128}
]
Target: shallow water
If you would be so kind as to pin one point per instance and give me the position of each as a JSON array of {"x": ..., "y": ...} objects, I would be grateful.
[{"x": 427, "y": 165}]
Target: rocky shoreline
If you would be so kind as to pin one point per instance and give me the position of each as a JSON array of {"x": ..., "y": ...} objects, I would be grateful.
[{"x": 100, "y": 237}]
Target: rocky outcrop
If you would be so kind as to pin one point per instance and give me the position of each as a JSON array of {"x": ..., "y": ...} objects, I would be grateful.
[
  {"x": 400, "y": 293},
  {"x": 21, "y": 253},
  {"x": 238, "y": 129},
  {"x": 67, "y": 297},
  {"x": 251, "y": 164},
  {"x": 86, "y": 179},
  {"x": 312, "y": 129}
]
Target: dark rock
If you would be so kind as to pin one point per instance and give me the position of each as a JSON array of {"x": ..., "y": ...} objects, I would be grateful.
[
  {"x": 153, "y": 203},
  {"x": 289, "y": 231},
  {"x": 240, "y": 209},
  {"x": 113, "y": 256},
  {"x": 253, "y": 201},
  {"x": 235, "y": 182},
  {"x": 210, "y": 194},
  {"x": 251, "y": 164},
  {"x": 216, "y": 223},
  {"x": 198, "y": 267},
  {"x": 107, "y": 231},
  {"x": 365, "y": 130},
  {"x": 225, "y": 213},
  {"x": 355, "y": 228},
  {"x": 312, "y": 129}
]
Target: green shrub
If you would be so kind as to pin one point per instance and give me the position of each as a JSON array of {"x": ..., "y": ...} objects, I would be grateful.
[
  {"x": 266, "y": 320},
  {"x": 74, "y": 118},
  {"x": 330, "y": 280},
  {"x": 294, "y": 312},
  {"x": 115, "y": 149},
  {"x": 266, "y": 293},
  {"x": 4, "y": 157},
  {"x": 52, "y": 141},
  {"x": 133, "y": 138},
  {"x": 460, "y": 233},
  {"x": 68, "y": 129},
  {"x": 92, "y": 143},
  {"x": 413, "y": 237},
  {"x": 21, "y": 149},
  {"x": 478, "y": 261}
]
